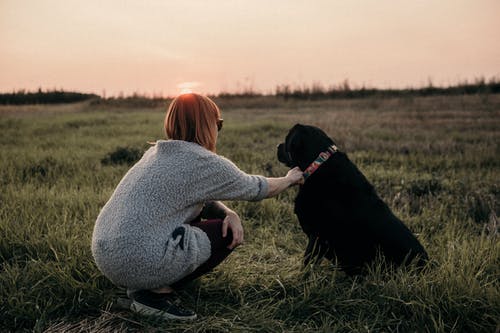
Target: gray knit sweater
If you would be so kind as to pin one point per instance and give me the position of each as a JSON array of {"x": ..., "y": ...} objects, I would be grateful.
[{"x": 132, "y": 243}]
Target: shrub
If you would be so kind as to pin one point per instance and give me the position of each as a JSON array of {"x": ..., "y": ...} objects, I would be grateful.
[
  {"x": 122, "y": 155},
  {"x": 41, "y": 170},
  {"x": 420, "y": 187},
  {"x": 478, "y": 207}
]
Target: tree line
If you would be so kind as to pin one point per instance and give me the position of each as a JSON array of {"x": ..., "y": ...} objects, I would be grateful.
[
  {"x": 285, "y": 91},
  {"x": 44, "y": 97},
  {"x": 344, "y": 90}
]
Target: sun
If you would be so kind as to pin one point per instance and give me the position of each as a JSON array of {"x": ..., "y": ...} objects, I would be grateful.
[{"x": 187, "y": 87}]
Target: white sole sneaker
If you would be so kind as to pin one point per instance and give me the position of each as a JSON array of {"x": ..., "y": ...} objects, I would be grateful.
[{"x": 149, "y": 311}]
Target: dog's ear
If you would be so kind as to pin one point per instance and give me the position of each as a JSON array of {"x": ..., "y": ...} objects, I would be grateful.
[
  {"x": 294, "y": 139},
  {"x": 296, "y": 131},
  {"x": 297, "y": 126}
]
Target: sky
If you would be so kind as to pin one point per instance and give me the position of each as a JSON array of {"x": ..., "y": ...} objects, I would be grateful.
[{"x": 162, "y": 47}]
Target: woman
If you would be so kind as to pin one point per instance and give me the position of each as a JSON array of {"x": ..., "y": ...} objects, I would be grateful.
[{"x": 150, "y": 236}]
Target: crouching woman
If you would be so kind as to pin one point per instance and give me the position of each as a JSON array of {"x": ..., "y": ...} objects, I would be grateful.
[{"x": 164, "y": 225}]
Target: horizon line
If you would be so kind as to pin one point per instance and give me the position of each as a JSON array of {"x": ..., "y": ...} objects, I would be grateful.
[{"x": 250, "y": 90}]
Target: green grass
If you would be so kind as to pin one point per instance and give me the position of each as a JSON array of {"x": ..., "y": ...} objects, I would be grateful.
[{"x": 435, "y": 161}]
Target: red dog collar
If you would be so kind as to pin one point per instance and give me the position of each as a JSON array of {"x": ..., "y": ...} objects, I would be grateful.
[{"x": 322, "y": 158}]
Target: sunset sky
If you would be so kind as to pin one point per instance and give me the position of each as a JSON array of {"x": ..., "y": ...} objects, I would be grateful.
[{"x": 163, "y": 47}]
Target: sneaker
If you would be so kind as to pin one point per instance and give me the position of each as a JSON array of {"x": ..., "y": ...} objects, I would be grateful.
[{"x": 158, "y": 305}]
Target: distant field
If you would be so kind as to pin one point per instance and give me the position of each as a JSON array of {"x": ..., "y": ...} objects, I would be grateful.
[{"x": 435, "y": 160}]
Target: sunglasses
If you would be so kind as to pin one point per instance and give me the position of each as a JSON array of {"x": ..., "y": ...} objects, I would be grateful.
[{"x": 219, "y": 124}]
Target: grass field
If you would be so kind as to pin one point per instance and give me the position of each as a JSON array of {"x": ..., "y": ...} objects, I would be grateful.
[{"x": 435, "y": 160}]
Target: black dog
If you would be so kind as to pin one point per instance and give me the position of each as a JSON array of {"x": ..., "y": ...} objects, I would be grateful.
[{"x": 339, "y": 209}]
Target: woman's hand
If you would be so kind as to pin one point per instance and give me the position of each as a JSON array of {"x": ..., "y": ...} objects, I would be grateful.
[
  {"x": 277, "y": 185},
  {"x": 233, "y": 222},
  {"x": 295, "y": 176}
]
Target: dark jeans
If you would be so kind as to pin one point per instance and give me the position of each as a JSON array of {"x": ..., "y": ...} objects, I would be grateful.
[{"x": 213, "y": 229}]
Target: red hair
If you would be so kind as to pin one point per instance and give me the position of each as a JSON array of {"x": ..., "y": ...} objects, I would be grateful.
[{"x": 192, "y": 117}]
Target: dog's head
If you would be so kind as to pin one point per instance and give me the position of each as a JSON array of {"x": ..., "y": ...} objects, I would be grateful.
[{"x": 302, "y": 146}]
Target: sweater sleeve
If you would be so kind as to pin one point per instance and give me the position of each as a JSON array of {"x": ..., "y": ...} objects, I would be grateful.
[{"x": 223, "y": 180}]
